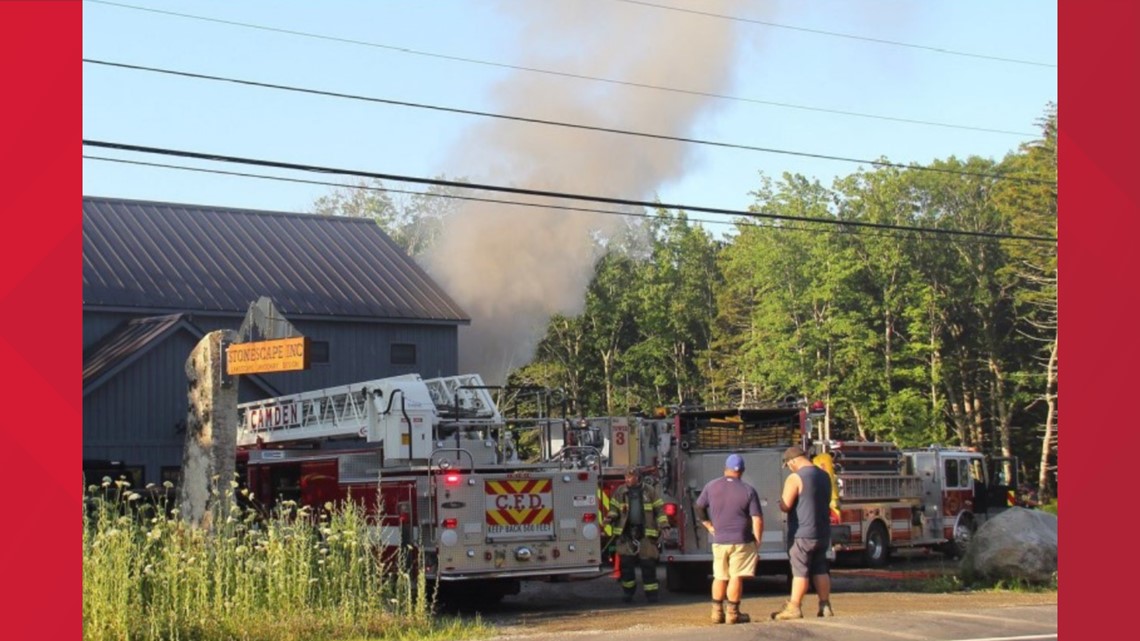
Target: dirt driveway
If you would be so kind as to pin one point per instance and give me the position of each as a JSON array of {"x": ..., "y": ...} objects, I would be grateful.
[{"x": 595, "y": 605}]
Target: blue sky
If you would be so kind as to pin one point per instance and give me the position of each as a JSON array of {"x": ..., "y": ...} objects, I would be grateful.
[{"x": 765, "y": 63}]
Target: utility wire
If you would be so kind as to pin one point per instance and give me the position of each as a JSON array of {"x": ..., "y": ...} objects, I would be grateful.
[
  {"x": 836, "y": 34},
  {"x": 499, "y": 201},
  {"x": 542, "y": 193},
  {"x": 564, "y": 74},
  {"x": 555, "y": 123}
]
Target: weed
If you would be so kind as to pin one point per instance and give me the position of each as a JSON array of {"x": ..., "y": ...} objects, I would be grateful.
[{"x": 289, "y": 574}]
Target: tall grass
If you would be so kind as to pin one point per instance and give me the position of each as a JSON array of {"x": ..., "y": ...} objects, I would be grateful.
[{"x": 293, "y": 574}]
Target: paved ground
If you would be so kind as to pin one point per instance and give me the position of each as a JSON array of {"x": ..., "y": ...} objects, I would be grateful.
[{"x": 888, "y": 603}]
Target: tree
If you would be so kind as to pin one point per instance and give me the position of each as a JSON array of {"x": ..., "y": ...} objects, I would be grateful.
[
  {"x": 1032, "y": 211},
  {"x": 414, "y": 220}
]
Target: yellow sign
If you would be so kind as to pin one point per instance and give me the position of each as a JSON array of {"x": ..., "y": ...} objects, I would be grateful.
[{"x": 281, "y": 355}]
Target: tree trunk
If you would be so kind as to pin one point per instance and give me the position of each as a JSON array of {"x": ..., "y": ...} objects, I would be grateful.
[
  {"x": 607, "y": 367},
  {"x": 1050, "y": 417},
  {"x": 859, "y": 422}
]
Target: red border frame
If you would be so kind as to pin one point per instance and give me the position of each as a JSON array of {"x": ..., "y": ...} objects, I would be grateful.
[
  {"x": 1099, "y": 202},
  {"x": 40, "y": 143}
]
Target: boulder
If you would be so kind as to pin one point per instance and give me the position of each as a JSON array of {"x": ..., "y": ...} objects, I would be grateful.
[{"x": 1017, "y": 544}]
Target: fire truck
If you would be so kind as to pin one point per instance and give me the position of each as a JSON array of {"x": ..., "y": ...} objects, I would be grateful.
[
  {"x": 887, "y": 498},
  {"x": 435, "y": 465},
  {"x": 682, "y": 452},
  {"x": 705, "y": 438}
]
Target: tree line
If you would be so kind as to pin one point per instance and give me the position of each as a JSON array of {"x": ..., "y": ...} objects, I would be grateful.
[{"x": 912, "y": 337}]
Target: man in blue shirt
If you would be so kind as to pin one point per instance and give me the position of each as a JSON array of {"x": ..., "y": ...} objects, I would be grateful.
[{"x": 729, "y": 509}]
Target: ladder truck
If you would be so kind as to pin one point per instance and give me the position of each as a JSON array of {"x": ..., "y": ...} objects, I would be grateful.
[{"x": 435, "y": 466}]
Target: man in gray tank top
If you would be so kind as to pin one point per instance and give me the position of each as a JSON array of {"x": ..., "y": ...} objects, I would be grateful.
[{"x": 806, "y": 498}]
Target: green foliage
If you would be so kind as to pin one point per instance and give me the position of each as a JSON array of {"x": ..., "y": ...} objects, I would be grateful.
[
  {"x": 295, "y": 574},
  {"x": 951, "y": 582},
  {"x": 413, "y": 220}
]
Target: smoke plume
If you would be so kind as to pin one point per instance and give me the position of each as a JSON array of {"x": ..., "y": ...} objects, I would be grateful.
[{"x": 511, "y": 267}]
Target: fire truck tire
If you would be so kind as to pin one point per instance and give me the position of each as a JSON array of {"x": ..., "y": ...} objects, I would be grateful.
[
  {"x": 963, "y": 534},
  {"x": 877, "y": 548},
  {"x": 687, "y": 577}
]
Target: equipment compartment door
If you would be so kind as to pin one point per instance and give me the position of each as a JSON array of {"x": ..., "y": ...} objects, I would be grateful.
[{"x": 519, "y": 509}]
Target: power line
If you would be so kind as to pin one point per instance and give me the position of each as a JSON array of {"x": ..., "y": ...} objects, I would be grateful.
[
  {"x": 363, "y": 187},
  {"x": 836, "y": 34},
  {"x": 564, "y": 74},
  {"x": 542, "y": 193},
  {"x": 555, "y": 123},
  {"x": 499, "y": 201}
]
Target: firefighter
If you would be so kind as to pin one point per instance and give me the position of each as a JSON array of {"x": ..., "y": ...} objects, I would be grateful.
[{"x": 637, "y": 515}]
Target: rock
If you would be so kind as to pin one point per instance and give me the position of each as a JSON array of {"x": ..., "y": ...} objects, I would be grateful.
[{"x": 1017, "y": 544}]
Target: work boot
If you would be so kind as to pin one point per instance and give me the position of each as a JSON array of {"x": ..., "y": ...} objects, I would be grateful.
[
  {"x": 718, "y": 612},
  {"x": 734, "y": 615},
  {"x": 789, "y": 612},
  {"x": 825, "y": 609},
  {"x": 651, "y": 596},
  {"x": 627, "y": 597}
]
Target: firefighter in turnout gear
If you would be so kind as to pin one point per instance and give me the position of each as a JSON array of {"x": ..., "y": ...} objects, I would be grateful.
[{"x": 637, "y": 516}]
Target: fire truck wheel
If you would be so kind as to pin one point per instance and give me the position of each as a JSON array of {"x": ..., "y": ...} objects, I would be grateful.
[
  {"x": 878, "y": 546},
  {"x": 963, "y": 533}
]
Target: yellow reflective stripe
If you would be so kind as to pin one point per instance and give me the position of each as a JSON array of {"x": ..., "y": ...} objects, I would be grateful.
[
  {"x": 650, "y": 532},
  {"x": 662, "y": 520},
  {"x": 651, "y": 587},
  {"x": 658, "y": 503},
  {"x": 629, "y": 584}
]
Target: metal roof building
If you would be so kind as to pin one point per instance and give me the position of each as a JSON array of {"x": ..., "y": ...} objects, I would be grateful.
[{"x": 159, "y": 276}]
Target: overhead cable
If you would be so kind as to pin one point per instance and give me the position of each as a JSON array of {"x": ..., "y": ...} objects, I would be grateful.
[
  {"x": 555, "y": 123},
  {"x": 542, "y": 193},
  {"x": 849, "y": 36},
  {"x": 564, "y": 74}
]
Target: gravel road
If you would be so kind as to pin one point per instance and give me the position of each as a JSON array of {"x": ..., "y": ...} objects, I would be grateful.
[{"x": 595, "y": 605}]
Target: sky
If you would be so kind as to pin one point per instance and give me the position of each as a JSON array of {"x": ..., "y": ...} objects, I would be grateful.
[{"x": 664, "y": 67}]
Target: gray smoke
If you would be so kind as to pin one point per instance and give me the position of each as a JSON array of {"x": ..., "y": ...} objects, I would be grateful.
[{"x": 511, "y": 268}]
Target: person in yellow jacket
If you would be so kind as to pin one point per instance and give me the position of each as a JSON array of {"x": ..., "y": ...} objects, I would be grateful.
[{"x": 637, "y": 516}]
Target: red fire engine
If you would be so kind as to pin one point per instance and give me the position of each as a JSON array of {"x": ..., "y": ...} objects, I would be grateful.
[
  {"x": 886, "y": 498},
  {"x": 435, "y": 465}
]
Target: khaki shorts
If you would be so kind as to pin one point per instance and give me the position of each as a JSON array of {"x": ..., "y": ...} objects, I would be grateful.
[{"x": 731, "y": 560}]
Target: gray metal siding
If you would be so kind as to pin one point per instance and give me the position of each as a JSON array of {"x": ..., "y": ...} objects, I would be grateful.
[
  {"x": 360, "y": 351},
  {"x": 98, "y": 325},
  {"x": 135, "y": 417}
]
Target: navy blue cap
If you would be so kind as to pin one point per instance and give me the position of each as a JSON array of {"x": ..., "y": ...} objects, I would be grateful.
[{"x": 735, "y": 462}]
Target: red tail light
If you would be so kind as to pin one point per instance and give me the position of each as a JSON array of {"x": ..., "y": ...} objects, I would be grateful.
[
  {"x": 451, "y": 479},
  {"x": 451, "y": 524},
  {"x": 589, "y": 517},
  {"x": 670, "y": 509}
]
